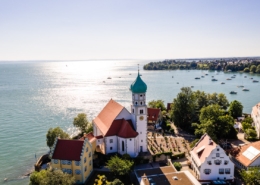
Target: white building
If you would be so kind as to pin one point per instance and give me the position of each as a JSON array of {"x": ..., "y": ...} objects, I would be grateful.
[
  {"x": 256, "y": 118},
  {"x": 246, "y": 156},
  {"x": 118, "y": 130},
  {"x": 210, "y": 162}
]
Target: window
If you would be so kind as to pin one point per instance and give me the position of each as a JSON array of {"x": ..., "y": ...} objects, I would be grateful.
[
  {"x": 227, "y": 171},
  {"x": 141, "y": 95},
  {"x": 141, "y": 103},
  {"x": 89, "y": 155},
  {"x": 69, "y": 171},
  {"x": 64, "y": 170},
  {"x": 209, "y": 162},
  {"x": 77, "y": 163},
  {"x": 140, "y": 132},
  {"x": 111, "y": 148},
  {"x": 89, "y": 163},
  {"x": 85, "y": 168},
  {"x": 207, "y": 171},
  {"x": 217, "y": 162},
  {"x": 226, "y": 162},
  {"x": 217, "y": 149},
  {"x": 87, "y": 149},
  {"x": 217, "y": 154},
  {"x": 110, "y": 140},
  {"x": 123, "y": 146},
  {"x": 77, "y": 172},
  {"x": 85, "y": 160},
  {"x": 56, "y": 161},
  {"x": 136, "y": 103},
  {"x": 64, "y": 162},
  {"x": 221, "y": 170},
  {"x": 130, "y": 139},
  {"x": 68, "y": 162},
  {"x": 141, "y": 111},
  {"x": 141, "y": 140}
]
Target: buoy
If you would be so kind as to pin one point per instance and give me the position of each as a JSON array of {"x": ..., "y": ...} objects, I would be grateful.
[{"x": 5, "y": 179}]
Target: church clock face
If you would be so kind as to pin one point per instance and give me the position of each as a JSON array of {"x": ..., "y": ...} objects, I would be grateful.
[{"x": 141, "y": 118}]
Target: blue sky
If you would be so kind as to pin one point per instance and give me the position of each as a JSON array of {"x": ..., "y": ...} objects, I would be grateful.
[{"x": 128, "y": 29}]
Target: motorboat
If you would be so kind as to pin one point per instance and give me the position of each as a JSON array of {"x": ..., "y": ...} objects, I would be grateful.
[
  {"x": 255, "y": 81},
  {"x": 229, "y": 79},
  {"x": 109, "y": 77},
  {"x": 245, "y": 89},
  {"x": 240, "y": 86},
  {"x": 222, "y": 82},
  {"x": 197, "y": 78},
  {"x": 233, "y": 92},
  {"x": 214, "y": 79}
]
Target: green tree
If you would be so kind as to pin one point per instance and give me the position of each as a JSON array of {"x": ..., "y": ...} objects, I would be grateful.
[
  {"x": 157, "y": 104},
  {"x": 177, "y": 166},
  {"x": 119, "y": 166},
  {"x": 183, "y": 108},
  {"x": 116, "y": 182},
  {"x": 200, "y": 99},
  {"x": 215, "y": 123},
  {"x": 258, "y": 69},
  {"x": 246, "y": 70},
  {"x": 222, "y": 101},
  {"x": 250, "y": 134},
  {"x": 47, "y": 177},
  {"x": 235, "y": 109},
  {"x": 53, "y": 133},
  {"x": 246, "y": 125},
  {"x": 251, "y": 176},
  {"x": 82, "y": 123},
  {"x": 253, "y": 69}
]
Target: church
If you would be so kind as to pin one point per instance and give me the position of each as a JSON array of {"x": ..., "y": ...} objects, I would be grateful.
[{"x": 118, "y": 130}]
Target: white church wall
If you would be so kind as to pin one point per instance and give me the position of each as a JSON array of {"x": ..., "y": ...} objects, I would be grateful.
[
  {"x": 124, "y": 114},
  {"x": 96, "y": 131},
  {"x": 111, "y": 144},
  {"x": 130, "y": 144}
]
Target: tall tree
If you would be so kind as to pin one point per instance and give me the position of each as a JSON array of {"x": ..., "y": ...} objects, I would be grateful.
[
  {"x": 81, "y": 122},
  {"x": 214, "y": 122},
  {"x": 222, "y": 101},
  {"x": 235, "y": 109},
  {"x": 157, "y": 104},
  {"x": 200, "y": 99},
  {"x": 258, "y": 69},
  {"x": 53, "y": 133},
  {"x": 251, "y": 176},
  {"x": 119, "y": 166},
  {"x": 183, "y": 108}
]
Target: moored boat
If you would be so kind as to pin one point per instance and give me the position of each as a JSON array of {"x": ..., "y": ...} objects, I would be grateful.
[
  {"x": 245, "y": 89},
  {"x": 214, "y": 79},
  {"x": 233, "y": 92}
]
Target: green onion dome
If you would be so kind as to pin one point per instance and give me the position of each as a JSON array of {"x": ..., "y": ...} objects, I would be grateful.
[{"x": 138, "y": 86}]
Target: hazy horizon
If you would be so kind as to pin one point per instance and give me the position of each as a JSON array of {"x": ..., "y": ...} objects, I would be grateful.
[{"x": 116, "y": 30}]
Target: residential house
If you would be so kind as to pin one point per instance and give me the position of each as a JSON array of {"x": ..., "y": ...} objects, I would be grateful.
[
  {"x": 165, "y": 175},
  {"x": 246, "y": 156},
  {"x": 73, "y": 157},
  {"x": 154, "y": 117},
  {"x": 255, "y": 114},
  {"x": 210, "y": 162}
]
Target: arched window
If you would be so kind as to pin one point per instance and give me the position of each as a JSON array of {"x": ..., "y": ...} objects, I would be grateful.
[
  {"x": 123, "y": 146},
  {"x": 141, "y": 103},
  {"x": 136, "y": 103}
]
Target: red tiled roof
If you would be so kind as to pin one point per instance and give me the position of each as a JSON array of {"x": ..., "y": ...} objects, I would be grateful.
[
  {"x": 153, "y": 114},
  {"x": 68, "y": 149},
  {"x": 202, "y": 149},
  {"x": 106, "y": 117},
  {"x": 126, "y": 130},
  {"x": 89, "y": 136},
  {"x": 243, "y": 159}
]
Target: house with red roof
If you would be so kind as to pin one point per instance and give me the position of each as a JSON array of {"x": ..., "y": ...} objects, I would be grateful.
[
  {"x": 210, "y": 162},
  {"x": 255, "y": 115},
  {"x": 73, "y": 157},
  {"x": 246, "y": 156},
  {"x": 121, "y": 131},
  {"x": 154, "y": 116}
]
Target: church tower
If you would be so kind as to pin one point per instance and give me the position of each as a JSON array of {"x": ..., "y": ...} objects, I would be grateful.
[{"x": 139, "y": 112}]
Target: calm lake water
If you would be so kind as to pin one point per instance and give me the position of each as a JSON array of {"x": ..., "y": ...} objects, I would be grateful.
[{"x": 35, "y": 96}]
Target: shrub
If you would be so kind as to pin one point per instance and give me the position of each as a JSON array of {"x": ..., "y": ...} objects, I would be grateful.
[{"x": 177, "y": 165}]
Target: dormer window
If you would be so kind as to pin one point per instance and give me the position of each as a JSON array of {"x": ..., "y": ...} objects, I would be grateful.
[
  {"x": 209, "y": 163},
  {"x": 217, "y": 162}
]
